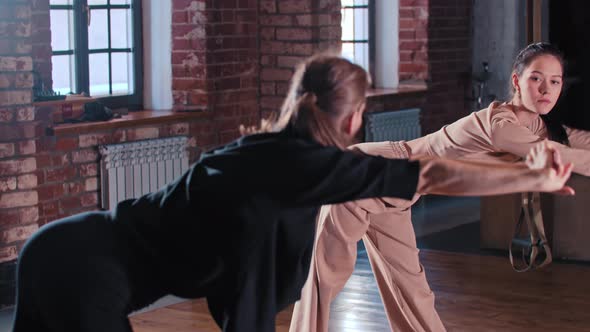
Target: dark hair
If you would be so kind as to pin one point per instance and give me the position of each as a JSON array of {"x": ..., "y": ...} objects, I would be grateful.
[
  {"x": 555, "y": 129},
  {"x": 324, "y": 90}
]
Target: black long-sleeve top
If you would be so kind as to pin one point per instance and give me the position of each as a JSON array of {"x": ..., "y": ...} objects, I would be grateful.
[{"x": 239, "y": 225}]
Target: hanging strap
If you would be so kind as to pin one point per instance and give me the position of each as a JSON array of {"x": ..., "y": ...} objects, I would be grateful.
[{"x": 529, "y": 241}]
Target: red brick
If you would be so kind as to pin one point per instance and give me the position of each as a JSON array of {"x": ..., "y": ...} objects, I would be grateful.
[
  {"x": 23, "y": 63},
  {"x": 142, "y": 133},
  {"x": 17, "y": 199},
  {"x": 6, "y": 150},
  {"x": 39, "y": 6},
  {"x": 18, "y": 233},
  {"x": 60, "y": 174},
  {"x": 268, "y": 6},
  {"x": 66, "y": 143},
  {"x": 9, "y": 218},
  {"x": 23, "y": 80},
  {"x": 27, "y": 147},
  {"x": 89, "y": 140},
  {"x": 188, "y": 31},
  {"x": 7, "y": 184},
  {"x": 276, "y": 20},
  {"x": 180, "y": 97},
  {"x": 188, "y": 84},
  {"x": 89, "y": 199},
  {"x": 304, "y": 20},
  {"x": 27, "y": 181},
  {"x": 275, "y": 74},
  {"x": 271, "y": 102},
  {"x": 197, "y": 98},
  {"x": 15, "y": 97},
  {"x": 49, "y": 209},
  {"x": 17, "y": 166},
  {"x": 91, "y": 184},
  {"x": 28, "y": 215},
  {"x": 180, "y": 17},
  {"x": 25, "y": 114},
  {"x": 6, "y": 80},
  {"x": 186, "y": 4},
  {"x": 294, "y": 34},
  {"x": 90, "y": 169},
  {"x": 76, "y": 187},
  {"x": 283, "y": 88},
  {"x": 69, "y": 203},
  {"x": 6, "y": 115},
  {"x": 331, "y": 33},
  {"x": 8, "y": 253},
  {"x": 85, "y": 155},
  {"x": 177, "y": 129}
]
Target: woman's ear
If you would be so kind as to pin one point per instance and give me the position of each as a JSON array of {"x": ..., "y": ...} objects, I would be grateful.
[
  {"x": 354, "y": 121},
  {"x": 515, "y": 84}
]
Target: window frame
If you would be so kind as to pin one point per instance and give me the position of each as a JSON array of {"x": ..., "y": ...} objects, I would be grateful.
[
  {"x": 371, "y": 38},
  {"x": 81, "y": 52},
  {"x": 383, "y": 42}
]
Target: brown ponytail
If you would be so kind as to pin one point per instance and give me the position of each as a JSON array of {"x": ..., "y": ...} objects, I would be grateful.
[{"x": 324, "y": 90}]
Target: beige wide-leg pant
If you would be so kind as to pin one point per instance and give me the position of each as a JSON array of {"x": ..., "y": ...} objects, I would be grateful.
[{"x": 387, "y": 232}]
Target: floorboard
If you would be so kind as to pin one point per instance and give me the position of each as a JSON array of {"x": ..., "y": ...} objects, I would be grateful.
[{"x": 474, "y": 293}]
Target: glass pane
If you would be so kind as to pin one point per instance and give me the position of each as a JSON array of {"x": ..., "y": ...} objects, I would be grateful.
[
  {"x": 97, "y": 2},
  {"x": 120, "y": 2},
  {"x": 97, "y": 31},
  {"x": 347, "y": 24},
  {"x": 361, "y": 55},
  {"x": 62, "y": 29},
  {"x": 62, "y": 73},
  {"x": 61, "y": 2},
  {"x": 348, "y": 51},
  {"x": 354, "y": 3},
  {"x": 122, "y": 73},
  {"x": 98, "y": 67},
  {"x": 361, "y": 23},
  {"x": 121, "y": 28}
]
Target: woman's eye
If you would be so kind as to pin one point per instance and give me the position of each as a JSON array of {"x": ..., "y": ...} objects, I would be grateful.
[
  {"x": 556, "y": 82},
  {"x": 536, "y": 79}
]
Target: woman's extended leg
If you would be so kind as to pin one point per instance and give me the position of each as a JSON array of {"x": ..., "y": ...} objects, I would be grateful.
[
  {"x": 391, "y": 247},
  {"x": 332, "y": 264}
]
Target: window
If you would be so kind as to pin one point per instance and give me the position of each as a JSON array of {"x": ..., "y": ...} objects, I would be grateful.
[
  {"x": 356, "y": 31},
  {"x": 370, "y": 38},
  {"x": 96, "y": 48}
]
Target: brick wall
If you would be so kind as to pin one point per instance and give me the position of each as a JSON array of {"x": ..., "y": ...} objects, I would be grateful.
[
  {"x": 215, "y": 61},
  {"x": 290, "y": 31},
  {"x": 41, "y": 43},
  {"x": 413, "y": 40},
  {"x": 68, "y": 164},
  {"x": 449, "y": 62},
  {"x": 18, "y": 129}
]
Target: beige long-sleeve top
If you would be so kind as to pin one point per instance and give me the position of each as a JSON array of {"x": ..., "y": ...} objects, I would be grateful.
[{"x": 495, "y": 133}]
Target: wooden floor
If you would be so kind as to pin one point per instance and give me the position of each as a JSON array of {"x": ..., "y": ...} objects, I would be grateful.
[{"x": 474, "y": 293}]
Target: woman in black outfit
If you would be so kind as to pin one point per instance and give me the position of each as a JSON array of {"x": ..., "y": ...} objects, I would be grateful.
[{"x": 238, "y": 227}]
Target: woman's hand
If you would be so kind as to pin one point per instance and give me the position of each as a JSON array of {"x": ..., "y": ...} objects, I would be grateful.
[{"x": 544, "y": 157}]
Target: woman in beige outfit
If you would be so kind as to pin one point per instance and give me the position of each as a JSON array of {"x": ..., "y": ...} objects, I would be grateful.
[{"x": 504, "y": 132}]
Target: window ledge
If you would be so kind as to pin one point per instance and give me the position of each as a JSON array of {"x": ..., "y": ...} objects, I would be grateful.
[
  {"x": 133, "y": 119},
  {"x": 402, "y": 88}
]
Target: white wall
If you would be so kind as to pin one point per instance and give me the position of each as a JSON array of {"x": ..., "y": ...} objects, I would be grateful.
[
  {"x": 157, "y": 52},
  {"x": 387, "y": 45}
]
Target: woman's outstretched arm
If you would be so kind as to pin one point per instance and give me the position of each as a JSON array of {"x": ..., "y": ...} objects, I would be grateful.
[{"x": 543, "y": 171}]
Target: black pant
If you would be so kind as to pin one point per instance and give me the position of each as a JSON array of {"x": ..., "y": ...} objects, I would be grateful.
[{"x": 82, "y": 273}]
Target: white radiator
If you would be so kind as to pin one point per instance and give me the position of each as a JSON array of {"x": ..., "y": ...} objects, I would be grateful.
[
  {"x": 129, "y": 170},
  {"x": 393, "y": 125}
]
